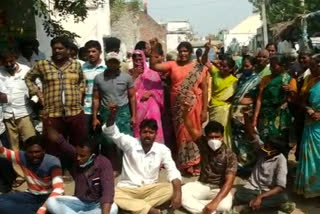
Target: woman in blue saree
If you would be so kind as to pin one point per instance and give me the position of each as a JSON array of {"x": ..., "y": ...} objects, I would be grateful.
[
  {"x": 242, "y": 112},
  {"x": 308, "y": 170}
]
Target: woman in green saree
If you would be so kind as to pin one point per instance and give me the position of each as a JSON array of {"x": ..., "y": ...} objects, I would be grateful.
[{"x": 272, "y": 116}]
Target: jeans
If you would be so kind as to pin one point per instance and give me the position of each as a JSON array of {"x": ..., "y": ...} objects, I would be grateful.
[
  {"x": 21, "y": 202},
  {"x": 72, "y": 205}
]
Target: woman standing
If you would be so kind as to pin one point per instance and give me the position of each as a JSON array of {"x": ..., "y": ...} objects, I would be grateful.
[
  {"x": 242, "y": 112},
  {"x": 308, "y": 170},
  {"x": 223, "y": 88},
  {"x": 149, "y": 94},
  {"x": 275, "y": 92},
  {"x": 188, "y": 82}
]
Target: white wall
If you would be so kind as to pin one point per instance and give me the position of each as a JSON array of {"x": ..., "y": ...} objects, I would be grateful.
[
  {"x": 243, "y": 39},
  {"x": 178, "y": 26},
  {"x": 173, "y": 41},
  {"x": 94, "y": 27}
]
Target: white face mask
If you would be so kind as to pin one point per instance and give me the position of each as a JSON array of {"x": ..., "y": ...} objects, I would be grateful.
[{"x": 214, "y": 144}]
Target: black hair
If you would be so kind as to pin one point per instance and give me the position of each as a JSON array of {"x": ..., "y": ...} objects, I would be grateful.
[
  {"x": 91, "y": 143},
  {"x": 8, "y": 52},
  {"x": 65, "y": 41},
  {"x": 93, "y": 44},
  {"x": 186, "y": 45},
  {"x": 26, "y": 42},
  {"x": 150, "y": 123},
  {"x": 251, "y": 59},
  {"x": 112, "y": 44},
  {"x": 159, "y": 50},
  {"x": 213, "y": 127},
  {"x": 141, "y": 45},
  {"x": 35, "y": 140},
  {"x": 230, "y": 62},
  {"x": 280, "y": 143},
  {"x": 306, "y": 52},
  {"x": 271, "y": 44},
  {"x": 281, "y": 59},
  {"x": 74, "y": 47},
  {"x": 82, "y": 54}
]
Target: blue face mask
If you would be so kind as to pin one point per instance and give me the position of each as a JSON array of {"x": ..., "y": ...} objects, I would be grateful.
[{"x": 89, "y": 161}]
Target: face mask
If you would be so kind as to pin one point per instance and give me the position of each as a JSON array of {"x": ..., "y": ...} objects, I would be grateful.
[
  {"x": 214, "y": 144},
  {"x": 89, "y": 161},
  {"x": 247, "y": 72},
  {"x": 268, "y": 152}
]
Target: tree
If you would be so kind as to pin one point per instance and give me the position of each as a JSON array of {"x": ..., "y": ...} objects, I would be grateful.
[{"x": 285, "y": 10}]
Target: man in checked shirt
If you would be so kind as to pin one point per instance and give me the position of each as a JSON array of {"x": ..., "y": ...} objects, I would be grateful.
[{"x": 62, "y": 96}]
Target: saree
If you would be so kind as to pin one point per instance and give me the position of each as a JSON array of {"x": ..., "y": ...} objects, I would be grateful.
[
  {"x": 219, "y": 109},
  {"x": 275, "y": 117},
  {"x": 241, "y": 145},
  {"x": 148, "y": 81},
  {"x": 308, "y": 170},
  {"x": 185, "y": 86}
]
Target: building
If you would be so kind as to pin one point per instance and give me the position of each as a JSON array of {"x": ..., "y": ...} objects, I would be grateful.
[
  {"x": 178, "y": 31},
  {"x": 244, "y": 32}
]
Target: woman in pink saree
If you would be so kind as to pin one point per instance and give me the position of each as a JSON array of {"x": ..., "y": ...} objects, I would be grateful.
[{"x": 149, "y": 94}]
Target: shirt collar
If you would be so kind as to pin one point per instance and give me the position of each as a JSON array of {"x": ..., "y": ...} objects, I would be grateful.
[{"x": 152, "y": 150}]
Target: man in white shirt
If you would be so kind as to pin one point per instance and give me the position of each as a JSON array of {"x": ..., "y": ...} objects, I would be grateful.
[
  {"x": 138, "y": 190},
  {"x": 15, "y": 100}
]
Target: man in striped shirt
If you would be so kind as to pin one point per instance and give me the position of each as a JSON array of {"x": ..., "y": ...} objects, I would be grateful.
[
  {"x": 43, "y": 176},
  {"x": 94, "y": 66}
]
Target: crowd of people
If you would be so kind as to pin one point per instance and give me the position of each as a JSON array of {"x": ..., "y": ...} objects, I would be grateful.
[{"x": 98, "y": 117}]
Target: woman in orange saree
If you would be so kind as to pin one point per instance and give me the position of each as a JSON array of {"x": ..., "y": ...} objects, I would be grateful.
[{"x": 188, "y": 83}]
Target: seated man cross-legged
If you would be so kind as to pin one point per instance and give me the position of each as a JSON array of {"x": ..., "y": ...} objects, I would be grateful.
[
  {"x": 43, "y": 175},
  {"x": 138, "y": 190},
  {"x": 211, "y": 193},
  {"x": 266, "y": 185},
  {"x": 93, "y": 176}
]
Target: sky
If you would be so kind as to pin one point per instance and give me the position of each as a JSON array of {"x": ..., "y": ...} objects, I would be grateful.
[{"x": 205, "y": 16}]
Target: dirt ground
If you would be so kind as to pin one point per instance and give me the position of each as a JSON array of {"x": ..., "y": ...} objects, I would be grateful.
[{"x": 303, "y": 206}]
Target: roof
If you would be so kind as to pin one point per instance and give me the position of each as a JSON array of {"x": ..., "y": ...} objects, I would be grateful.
[{"x": 248, "y": 26}]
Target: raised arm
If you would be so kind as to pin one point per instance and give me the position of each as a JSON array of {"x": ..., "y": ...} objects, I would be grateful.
[
  {"x": 193, "y": 132},
  {"x": 10, "y": 155},
  {"x": 204, "y": 88},
  {"x": 258, "y": 104},
  {"x": 110, "y": 129}
]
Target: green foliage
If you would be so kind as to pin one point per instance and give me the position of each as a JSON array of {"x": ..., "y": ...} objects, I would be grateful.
[{"x": 78, "y": 9}]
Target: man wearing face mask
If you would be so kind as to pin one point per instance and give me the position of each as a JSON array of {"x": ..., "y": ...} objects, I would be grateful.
[
  {"x": 93, "y": 176},
  {"x": 267, "y": 183},
  {"x": 211, "y": 193},
  {"x": 14, "y": 98}
]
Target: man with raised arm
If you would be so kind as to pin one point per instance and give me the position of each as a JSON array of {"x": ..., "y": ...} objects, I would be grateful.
[
  {"x": 43, "y": 176},
  {"x": 211, "y": 193},
  {"x": 138, "y": 190}
]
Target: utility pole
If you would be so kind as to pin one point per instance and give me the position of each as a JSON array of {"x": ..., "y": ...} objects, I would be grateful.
[
  {"x": 304, "y": 27},
  {"x": 264, "y": 21}
]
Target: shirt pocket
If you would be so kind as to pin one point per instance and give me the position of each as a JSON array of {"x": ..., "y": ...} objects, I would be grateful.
[
  {"x": 96, "y": 186},
  {"x": 121, "y": 87},
  {"x": 51, "y": 76},
  {"x": 72, "y": 76}
]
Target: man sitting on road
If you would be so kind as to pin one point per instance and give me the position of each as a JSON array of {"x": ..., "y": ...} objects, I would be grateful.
[
  {"x": 93, "y": 176},
  {"x": 211, "y": 193},
  {"x": 266, "y": 185},
  {"x": 138, "y": 190},
  {"x": 43, "y": 175}
]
